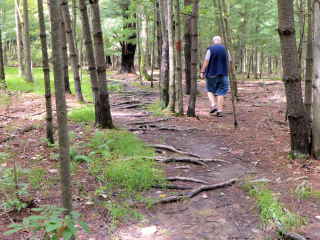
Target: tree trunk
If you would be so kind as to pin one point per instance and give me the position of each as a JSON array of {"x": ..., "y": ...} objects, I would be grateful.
[
  {"x": 46, "y": 72},
  {"x": 302, "y": 45},
  {"x": 255, "y": 56},
  {"x": 261, "y": 64},
  {"x": 154, "y": 41},
  {"x": 194, "y": 60},
  {"x": 292, "y": 78},
  {"x": 106, "y": 119},
  {"x": 232, "y": 69},
  {"x": 187, "y": 47},
  {"x": 19, "y": 47},
  {"x": 64, "y": 148},
  {"x": 309, "y": 70},
  {"x": 2, "y": 75},
  {"x": 172, "y": 87},
  {"x": 90, "y": 58},
  {"x": 159, "y": 36},
  {"x": 178, "y": 57},
  {"x": 316, "y": 88},
  {"x": 65, "y": 55},
  {"x": 72, "y": 50},
  {"x": 164, "y": 80},
  {"x": 26, "y": 36},
  {"x": 144, "y": 46}
]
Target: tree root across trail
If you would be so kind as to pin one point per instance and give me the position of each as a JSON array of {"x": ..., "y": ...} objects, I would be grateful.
[{"x": 196, "y": 191}]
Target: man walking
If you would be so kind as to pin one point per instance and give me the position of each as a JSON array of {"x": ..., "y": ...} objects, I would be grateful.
[{"x": 215, "y": 69}]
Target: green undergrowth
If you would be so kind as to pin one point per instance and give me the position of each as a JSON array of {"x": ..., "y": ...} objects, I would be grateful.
[
  {"x": 270, "y": 208},
  {"x": 158, "y": 110},
  {"x": 82, "y": 114}
]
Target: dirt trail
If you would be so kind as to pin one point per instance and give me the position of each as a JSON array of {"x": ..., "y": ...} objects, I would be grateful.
[{"x": 256, "y": 149}]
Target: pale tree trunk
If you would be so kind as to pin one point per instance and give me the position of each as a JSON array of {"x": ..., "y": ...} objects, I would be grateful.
[
  {"x": 191, "y": 112},
  {"x": 255, "y": 56},
  {"x": 164, "y": 80},
  {"x": 187, "y": 47},
  {"x": 80, "y": 60},
  {"x": 172, "y": 87},
  {"x": 159, "y": 36},
  {"x": 316, "y": 89},
  {"x": 61, "y": 106},
  {"x": 26, "y": 36},
  {"x": 90, "y": 58},
  {"x": 46, "y": 72},
  {"x": 72, "y": 50},
  {"x": 309, "y": 70},
  {"x": 65, "y": 55},
  {"x": 154, "y": 41},
  {"x": 178, "y": 58},
  {"x": 106, "y": 119},
  {"x": 261, "y": 64},
  {"x": 144, "y": 47},
  {"x": 19, "y": 47},
  {"x": 218, "y": 22},
  {"x": 232, "y": 68},
  {"x": 302, "y": 45},
  {"x": 2, "y": 75},
  {"x": 292, "y": 78}
]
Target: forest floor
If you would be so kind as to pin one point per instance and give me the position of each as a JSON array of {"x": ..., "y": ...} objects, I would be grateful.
[{"x": 256, "y": 149}]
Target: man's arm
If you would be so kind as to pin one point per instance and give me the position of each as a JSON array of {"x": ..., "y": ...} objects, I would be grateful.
[{"x": 204, "y": 67}]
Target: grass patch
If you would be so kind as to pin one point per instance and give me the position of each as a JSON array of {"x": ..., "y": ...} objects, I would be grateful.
[
  {"x": 82, "y": 114},
  {"x": 157, "y": 110},
  {"x": 270, "y": 207}
]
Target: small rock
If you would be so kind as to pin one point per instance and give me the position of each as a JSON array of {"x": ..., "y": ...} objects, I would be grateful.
[
  {"x": 204, "y": 196},
  {"x": 148, "y": 230},
  {"x": 254, "y": 230},
  {"x": 53, "y": 170}
]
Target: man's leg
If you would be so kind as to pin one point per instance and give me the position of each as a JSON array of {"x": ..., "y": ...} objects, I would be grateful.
[
  {"x": 220, "y": 102},
  {"x": 211, "y": 98}
]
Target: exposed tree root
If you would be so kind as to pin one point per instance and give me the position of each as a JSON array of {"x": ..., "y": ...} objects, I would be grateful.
[
  {"x": 2, "y": 115},
  {"x": 126, "y": 102},
  {"x": 277, "y": 121},
  {"x": 174, "y": 149},
  {"x": 196, "y": 191},
  {"x": 186, "y": 179},
  {"x": 287, "y": 235},
  {"x": 213, "y": 160},
  {"x": 130, "y": 106},
  {"x": 147, "y": 122},
  {"x": 171, "y": 186},
  {"x": 190, "y": 160}
]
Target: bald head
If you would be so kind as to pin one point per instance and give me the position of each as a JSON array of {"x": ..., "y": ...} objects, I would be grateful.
[{"x": 216, "y": 40}]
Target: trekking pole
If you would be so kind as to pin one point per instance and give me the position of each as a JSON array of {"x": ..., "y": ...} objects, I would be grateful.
[{"x": 231, "y": 80}]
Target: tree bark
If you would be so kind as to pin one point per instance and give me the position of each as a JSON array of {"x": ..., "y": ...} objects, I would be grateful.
[
  {"x": 172, "y": 87},
  {"x": 90, "y": 58},
  {"x": 187, "y": 47},
  {"x": 46, "y": 72},
  {"x": 178, "y": 57},
  {"x": 65, "y": 56},
  {"x": 309, "y": 70},
  {"x": 2, "y": 75},
  {"x": 292, "y": 78},
  {"x": 194, "y": 60},
  {"x": 19, "y": 47},
  {"x": 255, "y": 56},
  {"x": 106, "y": 119},
  {"x": 26, "y": 36},
  {"x": 164, "y": 80},
  {"x": 316, "y": 88},
  {"x": 72, "y": 50},
  {"x": 64, "y": 148}
]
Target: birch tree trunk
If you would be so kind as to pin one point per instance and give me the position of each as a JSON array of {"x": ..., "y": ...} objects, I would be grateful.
[
  {"x": 309, "y": 69},
  {"x": 64, "y": 147},
  {"x": 144, "y": 46},
  {"x": 187, "y": 47},
  {"x": 2, "y": 75},
  {"x": 26, "y": 36},
  {"x": 106, "y": 119},
  {"x": 159, "y": 36},
  {"x": 316, "y": 89},
  {"x": 90, "y": 58},
  {"x": 72, "y": 50},
  {"x": 178, "y": 57},
  {"x": 65, "y": 55},
  {"x": 164, "y": 80},
  {"x": 292, "y": 78},
  {"x": 19, "y": 47},
  {"x": 255, "y": 56},
  {"x": 172, "y": 87},
  {"x": 46, "y": 72},
  {"x": 194, "y": 60}
]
